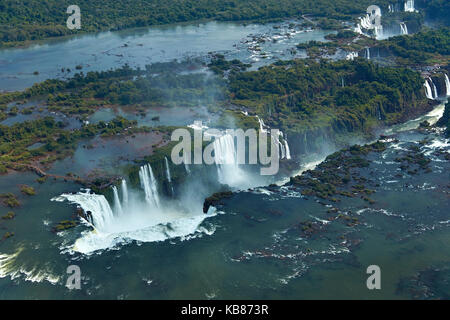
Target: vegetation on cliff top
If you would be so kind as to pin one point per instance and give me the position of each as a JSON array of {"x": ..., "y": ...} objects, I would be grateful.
[{"x": 349, "y": 96}]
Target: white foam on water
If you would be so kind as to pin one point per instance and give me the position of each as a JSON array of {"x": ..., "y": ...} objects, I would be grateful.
[
  {"x": 142, "y": 222},
  {"x": 431, "y": 117},
  {"x": 10, "y": 268},
  {"x": 178, "y": 228}
]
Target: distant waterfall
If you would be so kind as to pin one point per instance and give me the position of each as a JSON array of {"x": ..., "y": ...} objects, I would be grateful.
[
  {"x": 288, "y": 150},
  {"x": 149, "y": 184},
  {"x": 436, "y": 95},
  {"x": 262, "y": 126},
  {"x": 124, "y": 193},
  {"x": 447, "y": 85},
  {"x": 169, "y": 178},
  {"x": 409, "y": 6},
  {"x": 117, "y": 204},
  {"x": 368, "y": 53},
  {"x": 403, "y": 28},
  {"x": 378, "y": 31},
  {"x": 282, "y": 150},
  {"x": 430, "y": 89}
]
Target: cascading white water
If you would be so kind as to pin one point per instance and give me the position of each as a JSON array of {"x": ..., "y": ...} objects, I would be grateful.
[
  {"x": 368, "y": 53},
  {"x": 149, "y": 184},
  {"x": 225, "y": 155},
  {"x": 262, "y": 126},
  {"x": 117, "y": 204},
  {"x": 151, "y": 218},
  {"x": 378, "y": 31},
  {"x": 96, "y": 207},
  {"x": 447, "y": 85},
  {"x": 124, "y": 188},
  {"x": 435, "y": 92},
  {"x": 169, "y": 178},
  {"x": 282, "y": 153},
  {"x": 288, "y": 150},
  {"x": 409, "y": 6},
  {"x": 403, "y": 28},
  {"x": 428, "y": 91}
]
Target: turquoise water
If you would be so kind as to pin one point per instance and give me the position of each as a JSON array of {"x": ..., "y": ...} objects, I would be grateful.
[{"x": 253, "y": 247}]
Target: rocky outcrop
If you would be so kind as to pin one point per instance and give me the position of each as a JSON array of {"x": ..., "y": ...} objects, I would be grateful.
[{"x": 215, "y": 199}]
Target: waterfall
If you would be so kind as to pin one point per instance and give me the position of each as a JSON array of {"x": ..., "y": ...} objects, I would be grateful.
[
  {"x": 97, "y": 209},
  {"x": 435, "y": 93},
  {"x": 428, "y": 90},
  {"x": 261, "y": 124},
  {"x": 169, "y": 178},
  {"x": 124, "y": 193},
  {"x": 409, "y": 6},
  {"x": 368, "y": 53},
  {"x": 225, "y": 158},
  {"x": 403, "y": 28},
  {"x": 447, "y": 85},
  {"x": 288, "y": 150},
  {"x": 186, "y": 161},
  {"x": 117, "y": 204},
  {"x": 378, "y": 31},
  {"x": 282, "y": 150},
  {"x": 148, "y": 183}
]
